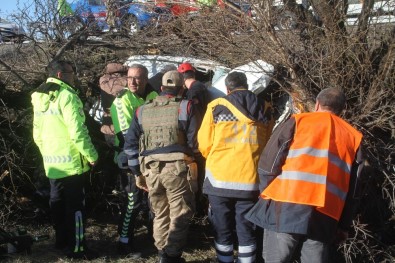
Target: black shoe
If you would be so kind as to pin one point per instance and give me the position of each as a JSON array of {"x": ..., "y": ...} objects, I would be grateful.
[
  {"x": 88, "y": 254},
  {"x": 127, "y": 251},
  {"x": 172, "y": 260},
  {"x": 164, "y": 258}
]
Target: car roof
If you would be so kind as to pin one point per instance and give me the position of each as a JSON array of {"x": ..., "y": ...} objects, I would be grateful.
[{"x": 258, "y": 72}]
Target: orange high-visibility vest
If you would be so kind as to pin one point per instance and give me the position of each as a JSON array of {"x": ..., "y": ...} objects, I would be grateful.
[{"x": 318, "y": 165}]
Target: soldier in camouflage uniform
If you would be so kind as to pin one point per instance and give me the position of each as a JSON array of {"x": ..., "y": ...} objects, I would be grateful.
[{"x": 163, "y": 133}]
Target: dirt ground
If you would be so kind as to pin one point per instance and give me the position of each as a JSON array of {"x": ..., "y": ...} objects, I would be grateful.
[{"x": 102, "y": 237}]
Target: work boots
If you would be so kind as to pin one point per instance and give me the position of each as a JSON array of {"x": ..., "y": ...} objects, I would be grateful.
[
  {"x": 164, "y": 258},
  {"x": 127, "y": 251}
]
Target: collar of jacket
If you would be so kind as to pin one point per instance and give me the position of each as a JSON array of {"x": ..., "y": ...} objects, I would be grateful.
[
  {"x": 62, "y": 84},
  {"x": 237, "y": 89},
  {"x": 167, "y": 94}
]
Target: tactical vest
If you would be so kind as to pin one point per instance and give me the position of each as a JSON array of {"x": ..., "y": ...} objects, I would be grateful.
[{"x": 159, "y": 120}]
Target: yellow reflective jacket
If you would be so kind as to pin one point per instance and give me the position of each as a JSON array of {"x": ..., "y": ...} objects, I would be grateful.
[
  {"x": 124, "y": 106},
  {"x": 232, "y": 146},
  {"x": 59, "y": 130}
]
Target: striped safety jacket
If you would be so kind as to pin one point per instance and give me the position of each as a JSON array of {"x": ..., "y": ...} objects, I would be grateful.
[
  {"x": 59, "y": 130},
  {"x": 231, "y": 138},
  {"x": 124, "y": 106},
  {"x": 318, "y": 164}
]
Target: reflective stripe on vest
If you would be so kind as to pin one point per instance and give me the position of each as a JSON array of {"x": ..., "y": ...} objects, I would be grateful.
[
  {"x": 230, "y": 185},
  {"x": 57, "y": 159},
  {"x": 318, "y": 165},
  {"x": 48, "y": 112},
  {"x": 123, "y": 124},
  {"x": 243, "y": 137}
]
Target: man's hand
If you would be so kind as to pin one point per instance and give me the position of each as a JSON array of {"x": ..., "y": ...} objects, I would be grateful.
[
  {"x": 93, "y": 163},
  {"x": 141, "y": 183},
  {"x": 107, "y": 129}
]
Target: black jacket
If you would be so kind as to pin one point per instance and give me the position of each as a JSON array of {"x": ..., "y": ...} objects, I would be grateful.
[{"x": 198, "y": 94}]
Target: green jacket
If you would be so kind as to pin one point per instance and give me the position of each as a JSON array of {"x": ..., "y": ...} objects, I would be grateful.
[
  {"x": 124, "y": 106},
  {"x": 59, "y": 130}
]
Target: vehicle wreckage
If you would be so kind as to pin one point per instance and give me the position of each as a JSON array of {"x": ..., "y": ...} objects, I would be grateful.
[{"x": 212, "y": 74}]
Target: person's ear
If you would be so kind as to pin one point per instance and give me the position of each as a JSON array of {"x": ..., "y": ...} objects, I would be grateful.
[
  {"x": 317, "y": 106},
  {"x": 59, "y": 75},
  {"x": 161, "y": 88}
]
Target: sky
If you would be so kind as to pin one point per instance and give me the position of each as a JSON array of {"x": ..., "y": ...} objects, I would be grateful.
[{"x": 9, "y": 6}]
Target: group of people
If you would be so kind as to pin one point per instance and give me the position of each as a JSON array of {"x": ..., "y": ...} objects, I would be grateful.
[{"x": 174, "y": 147}]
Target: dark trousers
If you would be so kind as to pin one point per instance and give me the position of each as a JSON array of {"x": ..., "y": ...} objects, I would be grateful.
[
  {"x": 132, "y": 205},
  {"x": 226, "y": 215},
  {"x": 281, "y": 247},
  {"x": 67, "y": 203},
  {"x": 201, "y": 199}
]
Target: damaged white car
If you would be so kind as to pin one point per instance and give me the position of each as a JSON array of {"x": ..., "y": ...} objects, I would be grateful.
[{"x": 213, "y": 74}]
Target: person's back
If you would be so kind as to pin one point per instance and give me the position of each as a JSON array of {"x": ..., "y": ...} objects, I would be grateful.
[
  {"x": 317, "y": 153},
  {"x": 160, "y": 145},
  {"x": 198, "y": 93},
  {"x": 195, "y": 90},
  {"x": 233, "y": 133},
  {"x": 240, "y": 127}
]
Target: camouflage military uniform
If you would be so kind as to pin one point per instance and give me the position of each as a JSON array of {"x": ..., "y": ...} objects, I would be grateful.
[
  {"x": 166, "y": 130},
  {"x": 171, "y": 199}
]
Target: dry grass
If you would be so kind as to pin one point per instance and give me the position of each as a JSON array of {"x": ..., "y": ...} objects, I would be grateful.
[{"x": 102, "y": 238}]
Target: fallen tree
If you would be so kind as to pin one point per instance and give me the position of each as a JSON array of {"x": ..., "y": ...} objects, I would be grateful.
[{"x": 317, "y": 50}]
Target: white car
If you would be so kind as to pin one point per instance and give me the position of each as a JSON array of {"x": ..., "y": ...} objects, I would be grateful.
[
  {"x": 11, "y": 32},
  {"x": 213, "y": 74},
  {"x": 382, "y": 12}
]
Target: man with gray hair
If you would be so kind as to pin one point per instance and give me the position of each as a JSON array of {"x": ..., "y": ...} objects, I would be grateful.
[
  {"x": 308, "y": 173},
  {"x": 122, "y": 110}
]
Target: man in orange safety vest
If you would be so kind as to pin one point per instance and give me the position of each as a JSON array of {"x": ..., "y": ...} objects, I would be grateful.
[{"x": 308, "y": 176}]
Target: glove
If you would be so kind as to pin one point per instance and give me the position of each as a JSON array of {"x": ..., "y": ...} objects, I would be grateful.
[{"x": 141, "y": 183}]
